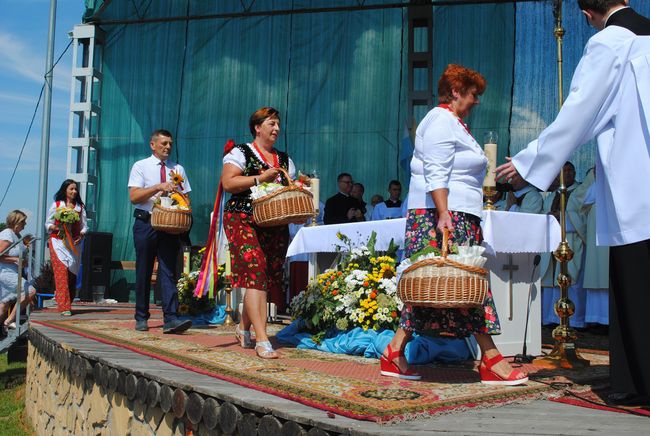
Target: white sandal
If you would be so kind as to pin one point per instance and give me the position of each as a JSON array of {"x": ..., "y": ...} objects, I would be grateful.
[
  {"x": 244, "y": 338},
  {"x": 267, "y": 350}
]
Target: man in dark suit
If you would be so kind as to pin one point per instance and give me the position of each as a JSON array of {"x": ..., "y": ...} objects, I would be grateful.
[{"x": 341, "y": 207}]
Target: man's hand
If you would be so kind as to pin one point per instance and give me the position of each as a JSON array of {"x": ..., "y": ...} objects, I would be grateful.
[
  {"x": 353, "y": 213},
  {"x": 507, "y": 172},
  {"x": 166, "y": 187}
]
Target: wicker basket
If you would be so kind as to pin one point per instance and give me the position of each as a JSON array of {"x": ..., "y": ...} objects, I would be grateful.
[
  {"x": 289, "y": 205},
  {"x": 443, "y": 283},
  {"x": 172, "y": 221}
]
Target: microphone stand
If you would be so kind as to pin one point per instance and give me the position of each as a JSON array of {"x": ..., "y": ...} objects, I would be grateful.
[{"x": 523, "y": 357}]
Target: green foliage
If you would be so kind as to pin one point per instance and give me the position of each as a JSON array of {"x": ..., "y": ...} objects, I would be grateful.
[{"x": 12, "y": 398}]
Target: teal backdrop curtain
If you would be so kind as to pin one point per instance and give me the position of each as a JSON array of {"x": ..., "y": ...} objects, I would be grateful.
[{"x": 338, "y": 79}]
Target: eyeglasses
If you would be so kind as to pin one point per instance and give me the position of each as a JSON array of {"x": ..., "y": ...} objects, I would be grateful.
[{"x": 347, "y": 182}]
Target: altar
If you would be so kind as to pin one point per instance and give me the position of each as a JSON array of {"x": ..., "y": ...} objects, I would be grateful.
[{"x": 512, "y": 240}]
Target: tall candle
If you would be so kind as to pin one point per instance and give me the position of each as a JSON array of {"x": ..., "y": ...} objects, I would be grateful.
[
  {"x": 227, "y": 272},
  {"x": 491, "y": 154},
  {"x": 315, "y": 190}
]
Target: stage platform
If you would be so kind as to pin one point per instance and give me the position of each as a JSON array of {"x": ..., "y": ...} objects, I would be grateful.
[{"x": 81, "y": 384}]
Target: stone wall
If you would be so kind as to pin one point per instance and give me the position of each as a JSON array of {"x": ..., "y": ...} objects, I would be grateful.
[
  {"x": 71, "y": 393},
  {"x": 60, "y": 403}
]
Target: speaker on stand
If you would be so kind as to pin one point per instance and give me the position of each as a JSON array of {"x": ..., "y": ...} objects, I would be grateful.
[{"x": 96, "y": 266}]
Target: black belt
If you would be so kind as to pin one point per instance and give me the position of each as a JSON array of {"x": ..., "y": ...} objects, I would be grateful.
[{"x": 142, "y": 215}]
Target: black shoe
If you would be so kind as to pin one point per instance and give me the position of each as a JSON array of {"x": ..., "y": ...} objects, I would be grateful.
[
  {"x": 176, "y": 326},
  {"x": 627, "y": 399},
  {"x": 141, "y": 326}
]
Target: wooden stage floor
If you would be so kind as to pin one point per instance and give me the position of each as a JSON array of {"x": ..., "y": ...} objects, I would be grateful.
[{"x": 538, "y": 417}]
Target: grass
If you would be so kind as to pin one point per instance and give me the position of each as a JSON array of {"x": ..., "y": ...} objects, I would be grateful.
[{"x": 12, "y": 398}]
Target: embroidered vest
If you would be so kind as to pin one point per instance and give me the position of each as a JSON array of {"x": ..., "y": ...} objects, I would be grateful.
[{"x": 242, "y": 201}]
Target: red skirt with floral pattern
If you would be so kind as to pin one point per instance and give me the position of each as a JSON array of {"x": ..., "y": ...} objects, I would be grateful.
[{"x": 257, "y": 254}]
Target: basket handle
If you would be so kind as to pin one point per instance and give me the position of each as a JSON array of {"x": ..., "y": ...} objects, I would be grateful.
[
  {"x": 286, "y": 175},
  {"x": 445, "y": 242}
]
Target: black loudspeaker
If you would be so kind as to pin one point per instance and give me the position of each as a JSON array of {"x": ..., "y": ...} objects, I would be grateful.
[{"x": 96, "y": 266}]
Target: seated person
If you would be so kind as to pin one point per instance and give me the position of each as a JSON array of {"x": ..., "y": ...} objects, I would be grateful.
[
  {"x": 374, "y": 201},
  {"x": 9, "y": 275},
  {"x": 524, "y": 197},
  {"x": 391, "y": 208}
]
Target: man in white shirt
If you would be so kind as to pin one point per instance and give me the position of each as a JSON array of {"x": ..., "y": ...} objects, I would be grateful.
[
  {"x": 150, "y": 178},
  {"x": 391, "y": 208},
  {"x": 610, "y": 100}
]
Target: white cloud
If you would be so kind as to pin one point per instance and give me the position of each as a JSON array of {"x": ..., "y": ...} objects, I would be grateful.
[{"x": 19, "y": 58}]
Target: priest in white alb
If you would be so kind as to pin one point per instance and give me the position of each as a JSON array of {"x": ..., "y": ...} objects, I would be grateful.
[{"x": 610, "y": 101}]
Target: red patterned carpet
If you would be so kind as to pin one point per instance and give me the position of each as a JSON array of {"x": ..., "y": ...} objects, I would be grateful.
[{"x": 347, "y": 385}]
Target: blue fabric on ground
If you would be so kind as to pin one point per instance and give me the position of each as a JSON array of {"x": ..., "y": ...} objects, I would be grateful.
[
  {"x": 217, "y": 316},
  {"x": 420, "y": 350}
]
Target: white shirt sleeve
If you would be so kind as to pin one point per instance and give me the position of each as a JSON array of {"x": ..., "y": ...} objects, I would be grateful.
[
  {"x": 588, "y": 108},
  {"x": 84, "y": 221},
  {"x": 136, "y": 177},
  {"x": 235, "y": 157},
  {"x": 438, "y": 147}
]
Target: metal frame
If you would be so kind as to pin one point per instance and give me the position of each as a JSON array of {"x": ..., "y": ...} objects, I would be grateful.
[{"x": 85, "y": 113}]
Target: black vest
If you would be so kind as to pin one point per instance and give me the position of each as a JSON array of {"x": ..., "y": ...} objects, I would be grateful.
[{"x": 242, "y": 201}]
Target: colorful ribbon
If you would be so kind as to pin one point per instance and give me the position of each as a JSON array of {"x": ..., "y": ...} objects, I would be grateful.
[{"x": 208, "y": 274}]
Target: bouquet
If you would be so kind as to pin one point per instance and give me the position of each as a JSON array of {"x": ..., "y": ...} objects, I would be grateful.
[
  {"x": 176, "y": 199},
  {"x": 64, "y": 217},
  {"x": 360, "y": 292},
  {"x": 188, "y": 303}
]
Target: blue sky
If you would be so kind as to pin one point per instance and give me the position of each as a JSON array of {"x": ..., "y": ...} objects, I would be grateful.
[{"x": 23, "y": 45}]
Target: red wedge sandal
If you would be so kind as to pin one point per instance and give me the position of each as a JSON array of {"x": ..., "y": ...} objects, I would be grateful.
[
  {"x": 489, "y": 377},
  {"x": 391, "y": 369}
]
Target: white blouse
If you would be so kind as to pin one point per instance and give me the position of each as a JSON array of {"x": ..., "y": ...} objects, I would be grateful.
[
  {"x": 237, "y": 158},
  {"x": 446, "y": 155}
]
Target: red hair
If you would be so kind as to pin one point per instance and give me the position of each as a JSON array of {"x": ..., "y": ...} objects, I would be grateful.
[{"x": 460, "y": 79}]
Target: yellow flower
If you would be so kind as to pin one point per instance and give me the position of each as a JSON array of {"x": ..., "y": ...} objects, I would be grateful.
[{"x": 176, "y": 178}]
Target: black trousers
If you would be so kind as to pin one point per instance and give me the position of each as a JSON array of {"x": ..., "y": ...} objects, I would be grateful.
[
  {"x": 150, "y": 244},
  {"x": 629, "y": 316}
]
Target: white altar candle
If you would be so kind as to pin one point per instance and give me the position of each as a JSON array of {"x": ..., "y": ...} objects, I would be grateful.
[
  {"x": 227, "y": 271},
  {"x": 315, "y": 190},
  {"x": 491, "y": 154}
]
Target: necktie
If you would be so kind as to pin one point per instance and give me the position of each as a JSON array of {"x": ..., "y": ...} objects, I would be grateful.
[{"x": 163, "y": 172}]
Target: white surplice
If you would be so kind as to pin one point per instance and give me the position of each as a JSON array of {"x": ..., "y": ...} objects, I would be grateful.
[{"x": 611, "y": 79}]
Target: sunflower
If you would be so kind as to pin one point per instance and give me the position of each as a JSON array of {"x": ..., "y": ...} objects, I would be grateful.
[
  {"x": 176, "y": 178},
  {"x": 183, "y": 309}
]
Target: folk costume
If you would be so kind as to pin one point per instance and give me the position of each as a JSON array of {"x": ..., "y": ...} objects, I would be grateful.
[
  {"x": 610, "y": 101},
  {"x": 65, "y": 256},
  {"x": 258, "y": 253}
]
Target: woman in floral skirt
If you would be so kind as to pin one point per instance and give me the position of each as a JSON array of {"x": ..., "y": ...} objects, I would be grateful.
[
  {"x": 447, "y": 172},
  {"x": 258, "y": 253}
]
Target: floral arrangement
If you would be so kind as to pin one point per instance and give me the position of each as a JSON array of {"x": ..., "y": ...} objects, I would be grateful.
[
  {"x": 264, "y": 189},
  {"x": 359, "y": 292},
  {"x": 188, "y": 303},
  {"x": 64, "y": 217},
  {"x": 176, "y": 199}
]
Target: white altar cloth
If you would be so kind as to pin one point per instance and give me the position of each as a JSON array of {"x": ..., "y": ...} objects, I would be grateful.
[{"x": 503, "y": 232}]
